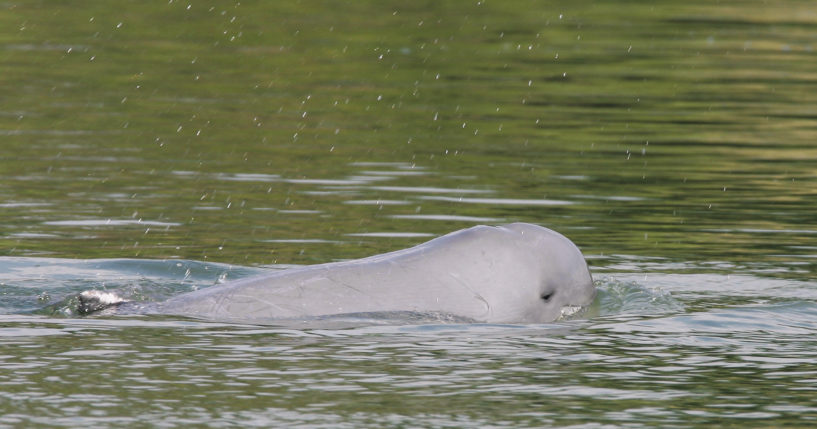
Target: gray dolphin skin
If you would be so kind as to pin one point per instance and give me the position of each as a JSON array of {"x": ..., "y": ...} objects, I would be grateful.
[{"x": 516, "y": 273}]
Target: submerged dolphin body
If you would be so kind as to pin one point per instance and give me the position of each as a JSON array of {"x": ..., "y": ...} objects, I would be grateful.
[{"x": 516, "y": 273}]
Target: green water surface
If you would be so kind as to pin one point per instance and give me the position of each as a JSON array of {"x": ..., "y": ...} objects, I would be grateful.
[
  {"x": 661, "y": 137},
  {"x": 681, "y": 130}
]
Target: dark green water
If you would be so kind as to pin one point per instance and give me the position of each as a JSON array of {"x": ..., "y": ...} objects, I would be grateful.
[{"x": 674, "y": 142}]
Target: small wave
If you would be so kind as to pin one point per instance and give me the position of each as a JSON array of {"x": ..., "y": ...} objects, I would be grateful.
[
  {"x": 50, "y": 286},
  {"x": 617, "y": 297}
]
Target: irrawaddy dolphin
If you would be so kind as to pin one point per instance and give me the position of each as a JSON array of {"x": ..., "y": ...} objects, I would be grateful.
[{"x": 516, "y": 273}]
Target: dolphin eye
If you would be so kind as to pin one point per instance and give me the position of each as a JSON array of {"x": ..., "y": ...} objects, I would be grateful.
[{"x": 547, "y": 296}]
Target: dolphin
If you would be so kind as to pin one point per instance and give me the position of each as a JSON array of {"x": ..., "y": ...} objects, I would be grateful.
[{"x": 515, "y": 273}]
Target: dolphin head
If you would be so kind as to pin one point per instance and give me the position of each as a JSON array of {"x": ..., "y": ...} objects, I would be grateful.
[{"x": 560, "y": 284}]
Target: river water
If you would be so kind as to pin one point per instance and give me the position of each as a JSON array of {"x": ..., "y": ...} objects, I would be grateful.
[{"x": 153, "y": 148}]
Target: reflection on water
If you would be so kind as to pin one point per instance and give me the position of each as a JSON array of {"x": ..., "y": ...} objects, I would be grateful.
[
  {"x": 673, "y": 142},
  {"x": 500, "y": 201},
  {"x": 645, "y": 366},
  {"x": 651, "y": 349},
  {"x": 391, "y": 234}
]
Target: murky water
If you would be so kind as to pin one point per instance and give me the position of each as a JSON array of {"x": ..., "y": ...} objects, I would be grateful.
[{"x": 156, "y": 148}]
